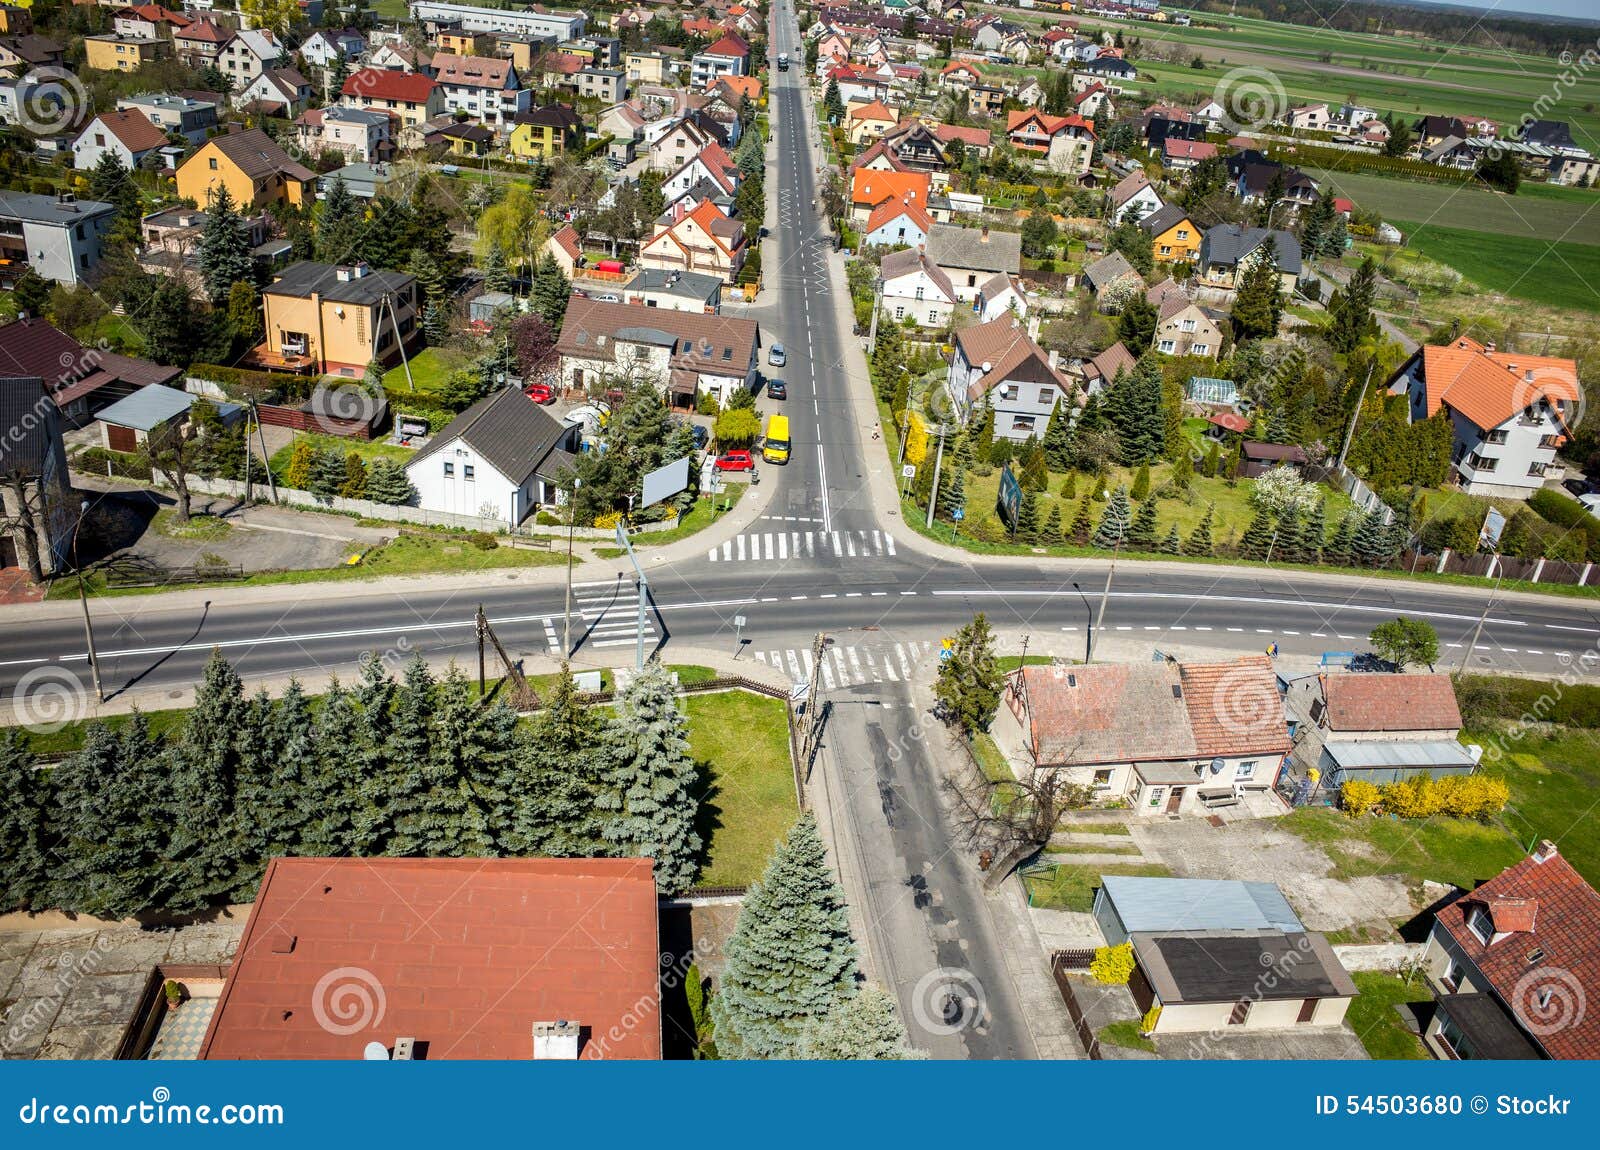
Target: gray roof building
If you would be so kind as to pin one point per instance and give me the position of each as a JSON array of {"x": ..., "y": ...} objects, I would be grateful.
[
  {"x": 696, "y": 288},
  {"x": 1127, "y": 905},
  {"x": 308, "y": 278},
  {"x": 1107, "y": 270},
  {"x": 975, "y": 249},
  {"x": 513, "y": 434},
  {"x": 1227, "y": 244}
]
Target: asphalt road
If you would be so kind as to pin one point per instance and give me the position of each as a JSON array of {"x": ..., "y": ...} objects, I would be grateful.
[{"x": 819, "y": 559}]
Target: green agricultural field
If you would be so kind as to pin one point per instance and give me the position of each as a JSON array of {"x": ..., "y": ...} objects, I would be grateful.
[
  {"x": 1562, "y": 275},
  {"x": 1557, "y": 214}
]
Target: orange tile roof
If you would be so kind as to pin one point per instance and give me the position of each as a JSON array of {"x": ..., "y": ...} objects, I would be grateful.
[
  {"x": 890, "y": 209},
  {"x": 464, "y": 955},
  {"x": 873, "y": 111},
  {"x": 1234, "y": 708},
  {"x": 872, "y": 188},
  {"x": 1554, "y": 923},
  {"x": 567, "y": 240},
  {"x": 134, "y": 129},
  {"x": 1390, "y": 702},
  {"x": 1490, "y": 387}
]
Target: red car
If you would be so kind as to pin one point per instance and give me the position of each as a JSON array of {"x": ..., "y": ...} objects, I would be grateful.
[
  {"x": 540, "y": 393},
  {"x": 735, "y": 461}
]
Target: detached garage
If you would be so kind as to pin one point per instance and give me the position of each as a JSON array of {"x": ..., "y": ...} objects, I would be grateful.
[{"x": 154, "y": 411}]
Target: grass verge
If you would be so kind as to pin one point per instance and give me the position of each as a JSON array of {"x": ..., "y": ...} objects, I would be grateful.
[
  {"x": 1438, "y": 849},
  {"x": 1126, "y": 1035},
  {"x": 747, "y": 801},
  {"x": 1373, "y": 1017},
  {"x": 199, "y": 528},
  {"x": 1071, "y": 886},
  {"x": 990, "y": 759}
]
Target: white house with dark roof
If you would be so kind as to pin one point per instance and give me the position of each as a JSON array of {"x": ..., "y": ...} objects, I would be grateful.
[
  {"x": 996, "y": 362},
  {"x": 61, "y": 237},
  {"x": 915, "y": 286},
  {"x": 971, "y": 257},
  {"x": 502, "y": 458},
  {"x": 686, "y": 353}
]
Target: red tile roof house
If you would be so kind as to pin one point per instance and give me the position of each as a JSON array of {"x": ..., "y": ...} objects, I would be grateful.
[
  {"x": 488, "y": 958},
  {"x": 82, "y": 381},
  {"x": 1166, "y": 738},
  {"x": 1511, "y": 963},
  {"x": 1373, "y": 726},
  {"x": 1509, "y": 413}
]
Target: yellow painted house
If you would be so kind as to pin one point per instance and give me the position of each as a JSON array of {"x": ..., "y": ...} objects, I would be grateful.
[
  {"x": 111, "y": 53},
  {"x": 543, "y": 133},
  {"x": 336, "y": 319},
  {"x": 255, "y": 170},
  {"x": 1174, "y": 239}
]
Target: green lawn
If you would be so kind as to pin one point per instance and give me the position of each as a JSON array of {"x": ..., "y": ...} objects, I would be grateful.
[
  {"x": 1562, "y": 275},
  {"x": 406, "y": 555},
  {"x": 1067, "y": 886},
  {"x": 199, "y": 528},
  {"x": 1543, "y": 215},
  {"x": 430, "y": 367},
  {"x": 748, "y": 803},
  {"x": 1373, "y": 1018},
  {"x": 1125, "y": 1034},
  {"x": 1442, "y": 849},
  {"x": 990, "y": 759},
  {"x": 1554, "y": 776},
  {"x": 703, "y": 514}
]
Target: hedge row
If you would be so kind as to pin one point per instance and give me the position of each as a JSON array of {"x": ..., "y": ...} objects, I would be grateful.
[{"x": 236, "y": 380}]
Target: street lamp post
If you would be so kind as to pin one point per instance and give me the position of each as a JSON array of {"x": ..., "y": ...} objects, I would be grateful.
[
  {"x": 83, "y": 598},
  {"x": 1088, "y": 611},
  {"x": 1105, "y": 596}
]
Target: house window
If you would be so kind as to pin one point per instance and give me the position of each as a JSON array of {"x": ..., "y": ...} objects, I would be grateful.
[
  {"x": 449, "y": 470},
  {"x": 1536, "y": 469},
  {"x": 1187, "y": 325},
  {"x": 1183, "y": 233},
  {"x": 920, "y": 291},
  {"x": 1317, "y": 709},
  {"x": 1479, "y": 923},
  {"x": 1047, "y": 395},
  {"x": 1241, "y": 1013},
  {"x": 1168, "y": 346},
  {"x": 468, "y": 471},
  {"x": 1498, "y": 435},
  {"x": 1009, "y": 392},
  {"x": 1245, "y": 770},
  {"x": 1023, "y": 423},
  {"x": 933, "y": 317},
  {"x": 1452, "y": 974},
  {"x": 899, "y": 312},
  {"x": 1166, "y": 250},
  {"x": 1200, "y": 349},
  {"x": 213, "y": 163},
  {"x": 1102, "y": 778},
  {"x": 1156, "y": 795}
]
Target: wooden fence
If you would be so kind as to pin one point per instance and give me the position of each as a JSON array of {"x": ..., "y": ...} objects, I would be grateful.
[
  {"x": 301, "y": 420},
  {"x": 1059, "y": 967}
]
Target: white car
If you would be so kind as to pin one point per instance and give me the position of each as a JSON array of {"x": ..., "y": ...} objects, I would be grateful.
[{"x": 1591, "y": 503}]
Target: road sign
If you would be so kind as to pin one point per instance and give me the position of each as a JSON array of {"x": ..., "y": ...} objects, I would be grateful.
[
  {"x": 947, "y": 649},
  {"x": 1010, "y": 496},
  {"x": 909, "y": 471},
  {"x": 738, "y": 620},
  {"x": 798, "y": 692},
  {"x": 958, "y": 513}
]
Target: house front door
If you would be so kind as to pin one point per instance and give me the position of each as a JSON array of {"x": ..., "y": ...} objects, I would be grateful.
[{"x": 1175, "y": 800}]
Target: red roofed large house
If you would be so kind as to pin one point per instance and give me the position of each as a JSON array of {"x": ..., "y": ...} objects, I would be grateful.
[
  {"x": 1509, "y": 412},
  {"x": 82, "y": 381},
  {"x": 127, "y": 133},
  {"x": 1512, "y": 962},
  {"x": 870, "y": 188},
  {"x": 408, "y": 97},
  {"x": 1167, "y": 738},
  {"x": 1063, "y": 144},
  {"x": 485, "y": 88},
  {"x": 200, "y": 43},
  {"x": 729, "y": 56},
  {"x": 701, "y": 240},
  {"x": 865, "y": 122},
  {"x": 512, "y": 959},
  {"x": 565, "y": 248}
]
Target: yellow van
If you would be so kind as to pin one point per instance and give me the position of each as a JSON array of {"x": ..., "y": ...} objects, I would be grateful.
[{"x": 776, "y": 447}]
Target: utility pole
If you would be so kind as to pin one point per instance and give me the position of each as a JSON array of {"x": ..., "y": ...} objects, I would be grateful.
[
  {"x": 83, "y": 599},
  {"x": 877, "y": 306},
  {"x": 572, "y": 515},
  {"x": 1349, "y": 432},
  {"x": 1088, "y": 640},
  {"x": 1477, "y": 631},
  {"x": 1100, "y": 618},
  {"x": 481, "y": 626},
  {"x": 812, "y": 727},
  {"x": 938, "y": 459}
]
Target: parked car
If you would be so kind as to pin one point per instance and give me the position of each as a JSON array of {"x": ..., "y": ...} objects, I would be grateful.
[
  {"x": 540, "y": 392},
  {"x": 1579, "y": 486},
  {"x": 735, "y": 461},
  {"x": 776, "y": 389},
  {"x": 701, "y": 436},
  {"x": 775, "y": 355}
]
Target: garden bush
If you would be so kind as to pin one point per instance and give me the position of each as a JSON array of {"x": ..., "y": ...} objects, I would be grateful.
[
  {"x": 1113, "y": 965},
  {"x": 1358, "y": 798}
]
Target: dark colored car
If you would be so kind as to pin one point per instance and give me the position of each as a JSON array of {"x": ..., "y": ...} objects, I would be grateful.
[{"x": 776, "y": 389}]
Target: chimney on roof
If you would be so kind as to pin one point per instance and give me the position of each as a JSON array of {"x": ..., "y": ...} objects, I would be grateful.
[
  {"x": 555, "y": 1041},
  {"x": 1527, "y": 376},
  {"x": 983, "y": 236},
  {"x": 405, "y": 1050},
  {"x": 1545, "y": 851},
  {"x": 1489, "y": 347}
]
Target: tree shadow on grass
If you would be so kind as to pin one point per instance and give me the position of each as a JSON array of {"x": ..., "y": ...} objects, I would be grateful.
[{"x": 707, "y": 815}]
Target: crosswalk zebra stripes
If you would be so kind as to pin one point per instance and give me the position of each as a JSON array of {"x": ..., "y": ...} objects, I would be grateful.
[
  {"x": 610, "y": 614},
  {"x": 776, "y": 546},
  {"x": 849, "y": 666}
]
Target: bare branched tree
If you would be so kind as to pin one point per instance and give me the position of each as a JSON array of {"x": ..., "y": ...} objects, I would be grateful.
[{"x": 1011, "y": 819}]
